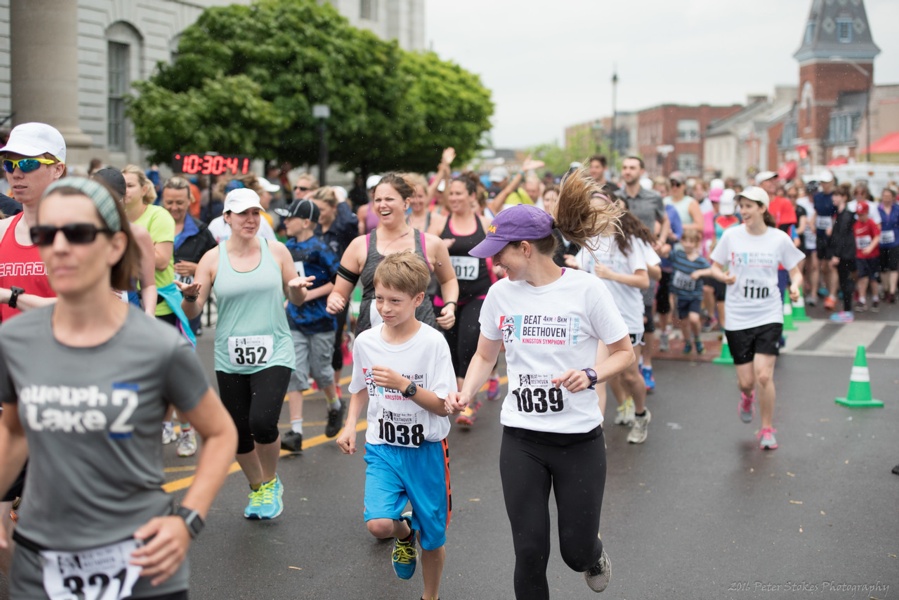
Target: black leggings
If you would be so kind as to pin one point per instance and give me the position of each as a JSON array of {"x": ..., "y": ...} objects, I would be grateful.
[
  {"x": 337, "y": 357},
  {"x": 463, "y": 336},
  {"x": 254, "y": 402},
  {"x": 577, "y": 474},
  {"x": 844, "y": 270}
]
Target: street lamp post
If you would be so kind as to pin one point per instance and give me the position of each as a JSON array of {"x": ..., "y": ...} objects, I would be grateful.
[
  {"x": 322, "y": 112},
  {"x": 614, "y": 114}
]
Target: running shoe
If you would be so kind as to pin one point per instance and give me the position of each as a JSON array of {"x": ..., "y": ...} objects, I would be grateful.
[
  {"x": 875, "y": 304},
  {"x": 624, "y": 414},
  {"x": 469, "y": 415},
  {"x": 688, "y": 347},
  {"x": 493, "y": 388},
  {"x": 842, "y": 317},
  {"x": 830, "y": 303},
  {"x": 648, "y": 379},
  {"x": 861, "y": 305},
  {"x": 891, "y": 298},
  {"x": 405, "y": 556},
  {"x": 663, "y": 343},
  {"x": 766, "y": 438},
  {"x": 335, "y": 420},
  {"x": 640, "y": 429},
  {"x": 292, "y": 441},
  {"x": 187, "y": 443},
  {"x": 822, "y": 292},
  {"x": 168, "y": 433},
  {"x": 811, "y": 301},
  {"x": 271, "y": 505},
  {"x": 700, "y": 349},
  {"x": 746, "y": 407},
  {"x": 254, "y": 505},
  {"x": 599, "y": 574}
]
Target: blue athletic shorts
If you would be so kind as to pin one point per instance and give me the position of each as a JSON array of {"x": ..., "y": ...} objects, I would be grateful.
[{"x": 396, "y": 475}]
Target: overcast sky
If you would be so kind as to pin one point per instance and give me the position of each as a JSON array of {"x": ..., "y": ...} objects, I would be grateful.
[{"x": 549, "y": 63}]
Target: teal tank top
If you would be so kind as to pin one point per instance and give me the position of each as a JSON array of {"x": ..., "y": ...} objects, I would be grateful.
[{"x": 252, "y": 332}]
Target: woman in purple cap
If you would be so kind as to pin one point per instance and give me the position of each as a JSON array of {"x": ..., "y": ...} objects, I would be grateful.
[{"x": 552, "y": 322}]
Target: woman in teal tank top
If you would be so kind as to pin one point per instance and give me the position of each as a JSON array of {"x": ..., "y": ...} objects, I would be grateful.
[{"x": 253, "y": 349}]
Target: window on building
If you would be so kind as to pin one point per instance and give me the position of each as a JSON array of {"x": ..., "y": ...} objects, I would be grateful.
[
  {"x": 118, "y": 59},
  {"x": 687, "y": 130},
  {"x": 844, "y": 31},
  {"x": 810, "y": 32},
  {"x": 368, "y": 9},
  {"x": 789, "y": 135},
  {"x": 688, "y": 163}
]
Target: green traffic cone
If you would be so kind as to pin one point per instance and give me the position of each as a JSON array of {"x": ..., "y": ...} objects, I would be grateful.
[
  {"x": 799, "y": 315},
  {"x": 859, "y": 394},
  {"x": 788, "y": 313},
  {"x": 725, "y": 357}
]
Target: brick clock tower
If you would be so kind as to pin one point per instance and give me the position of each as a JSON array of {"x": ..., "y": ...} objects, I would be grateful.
[{"x": 836, "y": 57}]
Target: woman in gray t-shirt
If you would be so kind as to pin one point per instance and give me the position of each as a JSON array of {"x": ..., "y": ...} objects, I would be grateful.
[{"x": 85, "y": 382}]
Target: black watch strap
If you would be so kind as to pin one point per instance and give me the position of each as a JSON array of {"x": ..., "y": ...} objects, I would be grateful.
[
  {"x": 192, "y": 519},
  {"x": 410, "y": 390},
  {"x": 14, "y": 293}
]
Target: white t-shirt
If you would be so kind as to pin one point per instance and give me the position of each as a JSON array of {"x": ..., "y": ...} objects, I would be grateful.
[
  {"x": 810, "y": 237},
  {"x": 425, "y": 360},
  {"x": 221, "y": 231},
  {"x": 627, "y": 298},
  {"x": 754, "y": 299},
  {"x": 548, "y": 330}
]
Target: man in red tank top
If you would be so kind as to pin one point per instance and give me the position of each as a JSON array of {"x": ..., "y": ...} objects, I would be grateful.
[{"x": 33, "y": 158}]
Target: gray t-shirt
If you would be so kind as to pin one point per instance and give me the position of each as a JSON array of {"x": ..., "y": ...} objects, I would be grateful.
[
  {"x": 91, "y": 418},
  {"x": 647, "y": 206}
]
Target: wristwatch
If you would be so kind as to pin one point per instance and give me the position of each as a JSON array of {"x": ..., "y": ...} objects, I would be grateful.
[
  {"x": 410, "y": 390},
  {"x": 591, "y": 375},
  {"x": 14, "y": 295},
  {"x": 192, "y": 519}
]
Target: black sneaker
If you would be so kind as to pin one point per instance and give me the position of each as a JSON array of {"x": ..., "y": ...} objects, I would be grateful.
[
  {"x": 896, "y": 470},
  {"x": 292, "y": 441},
  {"x": 335, "y": 420},
  {"x": 599, "y": 574}
]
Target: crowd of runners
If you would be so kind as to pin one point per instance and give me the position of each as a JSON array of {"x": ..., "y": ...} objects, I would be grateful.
[{"x": 578, "y": 280}]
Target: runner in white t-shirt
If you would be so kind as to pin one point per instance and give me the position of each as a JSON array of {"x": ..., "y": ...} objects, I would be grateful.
[
  {"x": 752, "y": 252},
  {"x": 620, "y": 261},
  {"x": 555, "y": 324}
]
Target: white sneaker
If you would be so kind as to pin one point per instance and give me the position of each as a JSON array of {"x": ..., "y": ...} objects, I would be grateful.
[
  {"x": 598, "y": 576},
  {"x": 624, "y": 415},
  {"x": 168, "y": 433},
  {"x": 640, "y": 429},
  {"x": 187, "y": 443}
]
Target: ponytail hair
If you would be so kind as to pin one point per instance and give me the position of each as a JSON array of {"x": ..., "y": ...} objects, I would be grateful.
[
  {"x": 768, "y": 218},
  {"x": 578, "y": 217}
]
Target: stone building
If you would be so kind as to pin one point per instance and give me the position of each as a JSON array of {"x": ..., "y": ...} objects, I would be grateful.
[{"x": 71, "y": 63}]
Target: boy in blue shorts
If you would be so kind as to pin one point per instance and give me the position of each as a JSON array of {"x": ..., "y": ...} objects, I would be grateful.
[
  {"x": 689, "y": 266},
  {"x": 402, "y": 368}
]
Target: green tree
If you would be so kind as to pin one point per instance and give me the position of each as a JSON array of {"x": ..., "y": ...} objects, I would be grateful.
[
  {"x": 582, "y": 144},
  {"x": 245, "y": 79}
]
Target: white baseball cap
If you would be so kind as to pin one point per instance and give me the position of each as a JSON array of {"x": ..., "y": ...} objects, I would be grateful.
[
  {"x": 726, "y": 204},
  {"x": 241, "y": 199},
  {"x": 825, "y": 176},
  {"x": 756, "y": 194},
  {"x": 267, "y": 185},
  {"x": 765, "y": 176},
  {"x": 498, "y": 174},
  {"x": 34, "y": 139}
]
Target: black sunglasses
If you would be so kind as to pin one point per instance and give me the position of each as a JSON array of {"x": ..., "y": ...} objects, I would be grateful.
[
  {"x": 76, "y": 233},
  {"x": 302, "y": 189}
]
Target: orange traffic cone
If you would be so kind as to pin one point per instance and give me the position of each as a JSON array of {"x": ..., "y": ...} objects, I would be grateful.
[{"x": 859, "y": 394}]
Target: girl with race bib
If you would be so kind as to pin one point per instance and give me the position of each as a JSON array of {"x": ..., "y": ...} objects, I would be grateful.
[
  {"x": 254, "y": 352},
  {"x": 462, "y": 229},
  {"x": 85, "y": 383},
  {"x": 555, "y": 324},
  {"x": 752, "y": 252},
  {"x": 391, "y": 200}
]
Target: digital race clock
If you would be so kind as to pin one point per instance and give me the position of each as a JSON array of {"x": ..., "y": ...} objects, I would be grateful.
[{"x": 210, "y": 164}]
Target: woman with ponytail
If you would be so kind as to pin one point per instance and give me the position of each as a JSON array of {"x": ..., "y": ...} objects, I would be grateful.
[
  {"x": 751, "y": 252},
  {"x": 553, "y": 322}
]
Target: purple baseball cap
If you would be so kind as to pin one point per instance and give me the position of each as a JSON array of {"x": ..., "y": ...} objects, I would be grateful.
[{"x": 522, "y": 222}]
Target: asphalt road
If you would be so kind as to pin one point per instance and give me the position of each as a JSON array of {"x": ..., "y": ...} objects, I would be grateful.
[{"x": 696, "y": 512}]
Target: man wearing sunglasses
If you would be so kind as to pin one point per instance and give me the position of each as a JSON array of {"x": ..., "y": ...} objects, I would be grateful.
[{"x": 32, "y": 159}]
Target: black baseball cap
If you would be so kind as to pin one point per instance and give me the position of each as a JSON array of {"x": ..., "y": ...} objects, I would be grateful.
[{"x": 300, "y": 209}]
